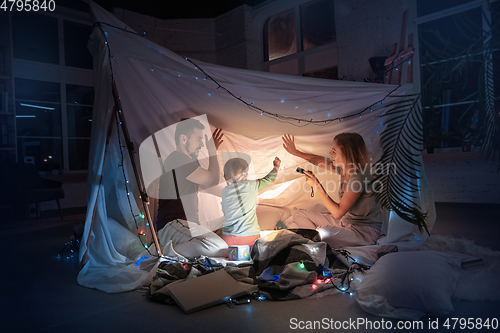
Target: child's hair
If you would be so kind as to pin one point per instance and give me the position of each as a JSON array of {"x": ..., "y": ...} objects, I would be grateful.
[
  {"x": 233, "y": 168},
  {"x": 354, "y": 149}
]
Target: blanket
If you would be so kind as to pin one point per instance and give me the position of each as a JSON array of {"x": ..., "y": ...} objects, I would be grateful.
[{"x": 287, "y": 264}]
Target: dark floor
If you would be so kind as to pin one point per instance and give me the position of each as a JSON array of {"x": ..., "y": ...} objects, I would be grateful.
[{"x": 40, "y": 293}]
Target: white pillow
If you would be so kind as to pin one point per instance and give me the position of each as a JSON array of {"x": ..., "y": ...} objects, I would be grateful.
[
  {"x": 268, "y": 216},
  {"x": 409, "y": 285}
]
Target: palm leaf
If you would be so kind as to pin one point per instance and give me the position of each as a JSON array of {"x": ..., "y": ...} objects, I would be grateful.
[{"x": 397, "y": 171}]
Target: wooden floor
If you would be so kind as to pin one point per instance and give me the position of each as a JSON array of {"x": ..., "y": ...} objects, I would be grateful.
[{"x": 40, "y": 292}]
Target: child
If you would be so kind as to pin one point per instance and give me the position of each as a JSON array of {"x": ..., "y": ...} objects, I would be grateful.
[{"x": 239, "y": 202}]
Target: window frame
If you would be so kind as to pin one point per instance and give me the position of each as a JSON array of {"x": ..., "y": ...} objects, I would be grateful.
[
  {"x": 261, "y": 20},
  {"x": 57, "y": 73},
  {"x": 483, "y": 4}
]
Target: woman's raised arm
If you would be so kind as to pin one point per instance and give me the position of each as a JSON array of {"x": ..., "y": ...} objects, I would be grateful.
[{"x": 322, "y": 162}]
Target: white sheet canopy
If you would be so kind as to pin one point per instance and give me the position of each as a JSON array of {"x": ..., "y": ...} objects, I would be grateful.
[{"x": 158, "y": 87}]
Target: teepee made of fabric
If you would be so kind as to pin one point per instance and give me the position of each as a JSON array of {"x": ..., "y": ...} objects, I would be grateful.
[{"x": 157, "y": 88}]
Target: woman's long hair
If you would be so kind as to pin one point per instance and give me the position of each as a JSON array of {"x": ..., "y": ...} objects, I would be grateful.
[{"x": 354, "y": 149}]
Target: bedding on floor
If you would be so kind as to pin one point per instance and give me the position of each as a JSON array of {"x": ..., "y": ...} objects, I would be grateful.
[
  {"x": 285, "y": 265},
  {"x": 293, "y": 264}
]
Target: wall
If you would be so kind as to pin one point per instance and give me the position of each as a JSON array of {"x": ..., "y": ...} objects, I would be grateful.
[
  {"x": 7, "y": 117},
  {"x": 364, "y": 29},
  {"x": 75, "y": 195},
  {"x": 463, "y": 178},
  {"x": 233, "y": 33},
  {"x": 192, "y": 38}
]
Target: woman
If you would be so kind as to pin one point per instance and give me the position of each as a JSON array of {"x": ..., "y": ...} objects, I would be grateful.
[{"x": 355, "y": 220}]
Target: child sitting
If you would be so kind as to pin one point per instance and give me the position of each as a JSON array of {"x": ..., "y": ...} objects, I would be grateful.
[{"x": 239, "y": 202}]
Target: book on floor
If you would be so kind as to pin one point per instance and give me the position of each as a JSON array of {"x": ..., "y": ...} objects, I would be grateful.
[
  {"x": 205, "y": 291},
  {"x": 468, "y": 261}
]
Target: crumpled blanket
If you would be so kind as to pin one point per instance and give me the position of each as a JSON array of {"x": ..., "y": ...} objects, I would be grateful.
[
  {"x": 293, "y": 264},
  {"x": 286, "y": 265}
]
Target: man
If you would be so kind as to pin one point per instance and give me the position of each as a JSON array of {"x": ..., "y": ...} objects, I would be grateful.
[{"x": 188, "y": 175}]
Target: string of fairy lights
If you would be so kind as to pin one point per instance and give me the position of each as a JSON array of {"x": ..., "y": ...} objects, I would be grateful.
[
  {"x": 289, "y": 119},
  {"x": 127, "y": 190},
  {"x": 295, "y": 121},
  {"x": 135, "y": 216}
]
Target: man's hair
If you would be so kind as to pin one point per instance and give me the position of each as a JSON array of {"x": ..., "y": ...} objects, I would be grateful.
[
  {"x": 186, "y": 126},
  {"x": 233, "y": 168}
]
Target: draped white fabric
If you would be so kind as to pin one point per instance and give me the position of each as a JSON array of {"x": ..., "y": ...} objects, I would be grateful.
[{"x": 158, "y": 87}]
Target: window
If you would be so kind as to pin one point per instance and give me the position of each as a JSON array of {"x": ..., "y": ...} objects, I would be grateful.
[
  {"x": 53, "y": 105},
  {"x": 315, "y": 28},
  {"x": 281, "y": 35},
  {"x": 39, "y": 118},
  {"x": 38, "y": 123},
  {"x": 317, "y": 23},
  {"x": 35, "y": 37},
  {"x": 426, "y": 7},
  {"x": 452, "y": 116},
  {"x": 79, "y": 114},
  {"x": 75, "y": 45}
]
